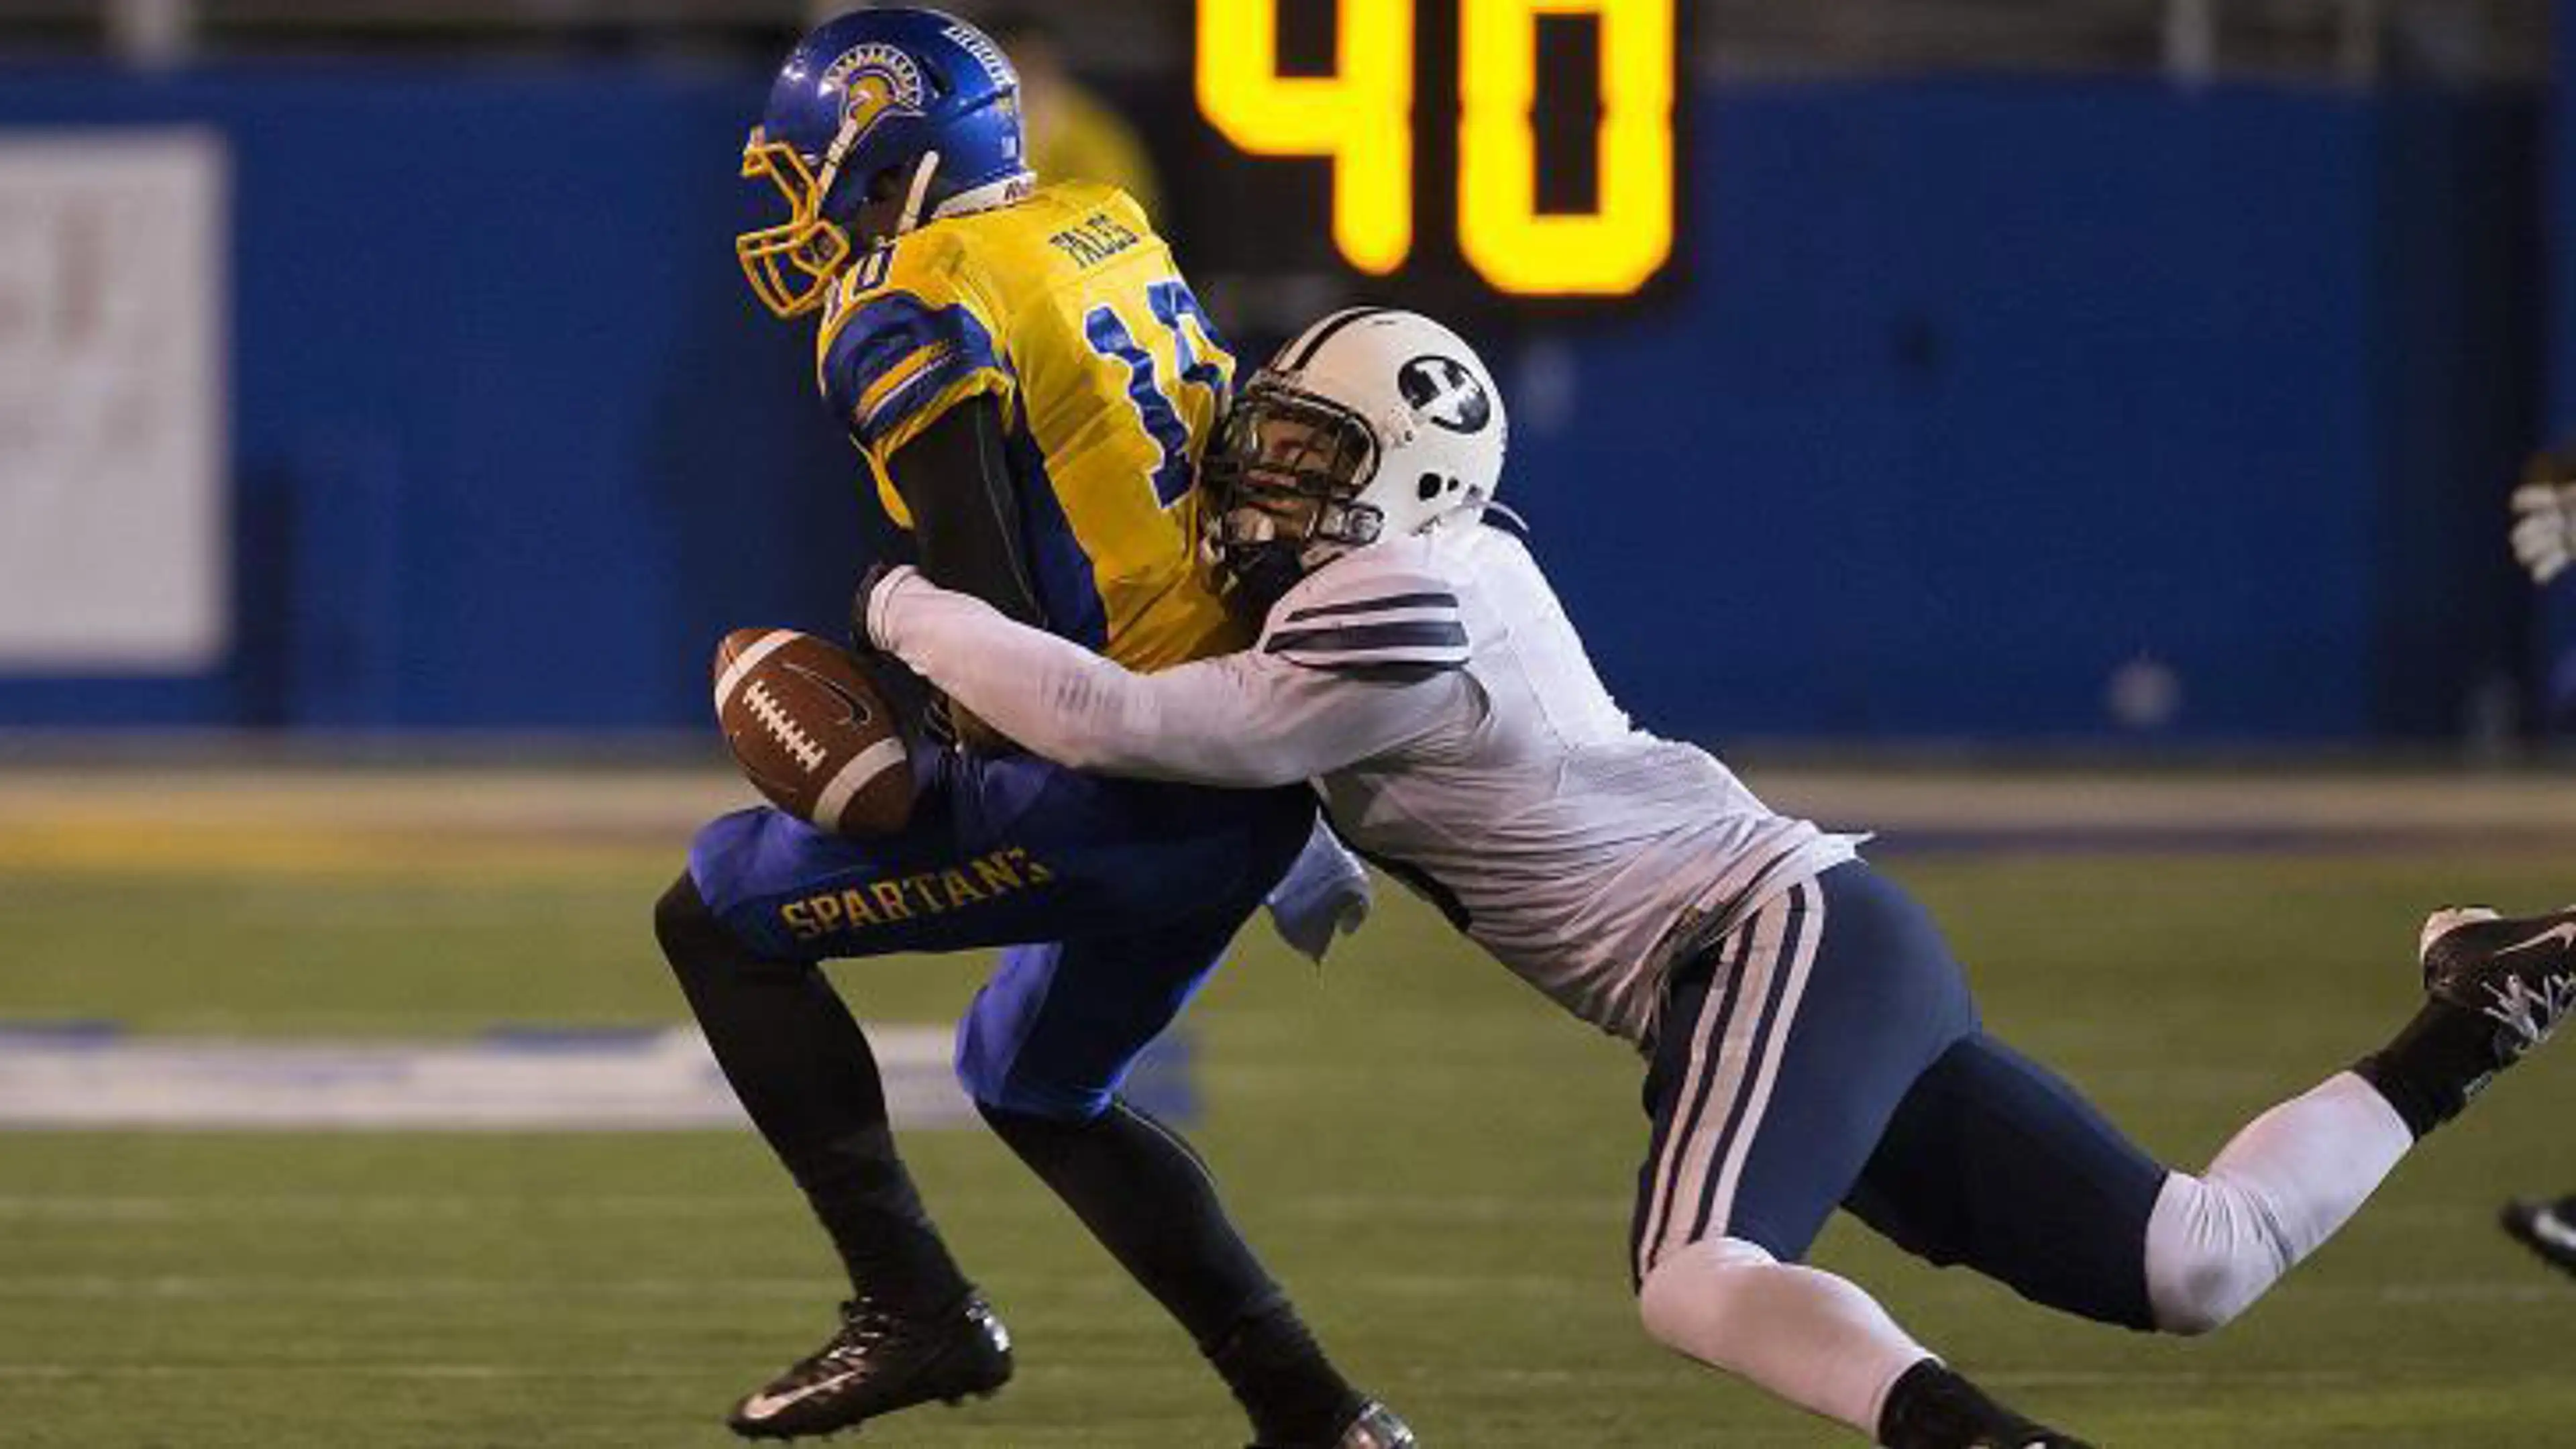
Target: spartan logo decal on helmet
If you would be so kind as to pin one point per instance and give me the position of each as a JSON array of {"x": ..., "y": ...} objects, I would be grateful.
[
  {"x": 877, "y": 82},
  {"x": 1446, "y": 393},
  {"x": 880, "y": 121}
]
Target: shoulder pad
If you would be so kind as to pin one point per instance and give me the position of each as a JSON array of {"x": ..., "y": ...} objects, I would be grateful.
[
  {"x": 1127, "y": 209},
  {"x": 1078, "y": 197},
  {"x": 1363, "y": 612},
  {"x": 890, "y": 357},
  {"x": 935, "y": 262}
]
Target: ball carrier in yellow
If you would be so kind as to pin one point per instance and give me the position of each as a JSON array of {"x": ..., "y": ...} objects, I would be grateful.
[{"x": 1031, "y": 383}]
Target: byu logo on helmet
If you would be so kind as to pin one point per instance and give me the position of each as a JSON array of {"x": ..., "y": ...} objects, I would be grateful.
[
  {"x": 1372, "y": 424},
  {"x": 1444, "y": 391},
  {"x": 879, "y": 81}
]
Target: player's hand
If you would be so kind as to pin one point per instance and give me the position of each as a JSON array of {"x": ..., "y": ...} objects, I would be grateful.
[
  {"x": 2544, "y": 526},
  {"x": 955, "y": 724},
  {"x": 1325, "y": 895},
  {"x": 946, "y": 720}
]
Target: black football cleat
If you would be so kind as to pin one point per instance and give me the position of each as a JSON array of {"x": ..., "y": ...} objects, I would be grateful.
[
  {"x": 2022, "y": 1436},
  {"x": 2519, "y": 972},
  {"x": 2547, "y": 1228},
  {"x": 1374, "y": 1427},
  {"x": 879, "y": 1361},
  {"x": 1934, "y": 1407}
]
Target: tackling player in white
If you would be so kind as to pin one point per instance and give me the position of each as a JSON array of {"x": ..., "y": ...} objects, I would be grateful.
[{"x": 1812, "y": 1042}]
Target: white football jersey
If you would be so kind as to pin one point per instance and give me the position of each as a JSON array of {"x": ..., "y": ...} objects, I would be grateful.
[
  {"x": 1583, "y": 852},
  {"x": 1433, "y": 691}
]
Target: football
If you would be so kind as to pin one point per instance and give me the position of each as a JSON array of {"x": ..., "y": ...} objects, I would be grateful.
[{"x": 812, "y": 732}]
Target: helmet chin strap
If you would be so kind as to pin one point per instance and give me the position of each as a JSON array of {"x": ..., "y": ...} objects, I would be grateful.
[{"x": 919, "y": 191}]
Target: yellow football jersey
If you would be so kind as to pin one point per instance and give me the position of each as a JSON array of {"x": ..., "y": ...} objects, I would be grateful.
[{"x": 1068, "y": 310}]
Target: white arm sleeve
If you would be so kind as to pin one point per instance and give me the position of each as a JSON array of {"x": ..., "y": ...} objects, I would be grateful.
[{"x": 1248, "y": 719}]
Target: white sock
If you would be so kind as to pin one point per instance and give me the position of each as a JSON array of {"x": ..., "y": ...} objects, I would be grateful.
[
  {"x": 1805, "y": 1335},
  {"x": 2217, "y": 1242}
]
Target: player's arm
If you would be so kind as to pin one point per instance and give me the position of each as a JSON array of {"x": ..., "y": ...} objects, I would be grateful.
[
  {"x": 914, "y": 371},
  {"x": 954, "y": 478},
  {"x": 1249, "y": 720}
]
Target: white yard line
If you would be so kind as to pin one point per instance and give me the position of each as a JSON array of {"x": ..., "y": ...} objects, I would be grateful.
[{"x": 621, "y": 1081}]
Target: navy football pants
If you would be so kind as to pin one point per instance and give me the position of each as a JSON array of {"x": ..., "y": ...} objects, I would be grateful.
[
  {"x": 1135, "y": 887},
  {"x": 1827, "y": 1053}
]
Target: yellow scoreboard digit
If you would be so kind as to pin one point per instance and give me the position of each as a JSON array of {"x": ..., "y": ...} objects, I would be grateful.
[{"x": 1360, "y": 118}]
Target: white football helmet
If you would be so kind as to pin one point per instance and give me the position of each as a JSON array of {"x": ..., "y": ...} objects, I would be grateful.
[{"x": 1373, "y": 424}]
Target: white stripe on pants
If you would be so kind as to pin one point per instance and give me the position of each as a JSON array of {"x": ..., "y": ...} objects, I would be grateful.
[{"x": 1734, "y": 1059}]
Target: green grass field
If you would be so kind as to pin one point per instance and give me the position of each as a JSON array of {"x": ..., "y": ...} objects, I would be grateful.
[{"x": 1430, "y": 1156}]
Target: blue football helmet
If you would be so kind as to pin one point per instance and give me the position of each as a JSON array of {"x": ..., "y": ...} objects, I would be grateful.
[{"x": 879, "y": 120}]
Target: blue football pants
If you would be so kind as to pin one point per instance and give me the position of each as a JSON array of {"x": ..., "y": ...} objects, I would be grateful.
[
  {"x": 1827, "y": 1052},
  {"x": 1113, "y": 898}
]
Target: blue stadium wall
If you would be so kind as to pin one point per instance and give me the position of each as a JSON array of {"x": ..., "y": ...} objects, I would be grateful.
[{"x": 1979, "y": 395}]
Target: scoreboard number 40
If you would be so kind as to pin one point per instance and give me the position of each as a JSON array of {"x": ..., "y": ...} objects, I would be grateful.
[{"x": 1361, "y": 118}]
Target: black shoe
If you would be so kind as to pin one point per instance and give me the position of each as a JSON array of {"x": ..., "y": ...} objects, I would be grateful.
[
  {"x": 2547, "y": 1228},
  {"x": 1933, "y": 1407},
  {"x": 1374, "y": 1427},
  {"x": 2518, "y": 973},
  {"x": 881, "y": 1360}
]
